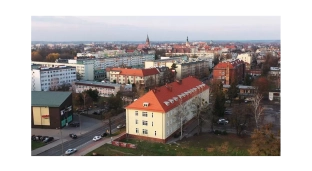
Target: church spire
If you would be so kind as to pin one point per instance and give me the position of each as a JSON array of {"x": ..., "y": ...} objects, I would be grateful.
[
  {"x": 147, "y": 41},
  {"x": 187, "y": 42}
]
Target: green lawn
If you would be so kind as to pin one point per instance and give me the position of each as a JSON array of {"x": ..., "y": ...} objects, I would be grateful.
[
  {"x": 36, "y": 144},
  {"x": 203, "y": 145}
]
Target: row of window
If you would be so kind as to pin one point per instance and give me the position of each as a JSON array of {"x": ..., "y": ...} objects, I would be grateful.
[
  {"x": 144, "y": 114},
  {"x": 144, "y": 131},
  {"x": 143, "y": 122}
]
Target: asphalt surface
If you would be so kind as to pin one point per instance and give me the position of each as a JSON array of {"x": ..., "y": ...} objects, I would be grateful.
[{"x": 82, "y": 140}]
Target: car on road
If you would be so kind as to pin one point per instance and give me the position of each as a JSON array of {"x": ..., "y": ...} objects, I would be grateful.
[
  {"x": 121, "y": 126},
  {"x": 96, "y": 138},
  {"x": 70, "y": 151},
  {"x": 104, "y": 134},
  {"x": 46, "y": 140},
  {"x": 222, "y": 122},
  {"x": 73, "y": 136},
  {"x": 228, "y": 101},
  {"x": 74, "y": 124}
]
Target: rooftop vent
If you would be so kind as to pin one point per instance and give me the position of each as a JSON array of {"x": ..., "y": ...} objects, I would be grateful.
[
  {"x": 171, "y": 101},
  {"x": 175, "y": 98},
  {"x": 145, "y": 104}
]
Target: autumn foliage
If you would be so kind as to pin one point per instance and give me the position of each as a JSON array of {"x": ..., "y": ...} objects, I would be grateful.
[{"x": 265, "y": 142}]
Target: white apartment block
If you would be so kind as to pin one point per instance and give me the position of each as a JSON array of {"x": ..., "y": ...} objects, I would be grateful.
[
  {"x": 246, "y": 57},
  {"x": 184, "y": 68},
  {"x": 44, "y": 78},
  {"x": 85, "y": 70},
  {"x": 104, "y": 89}
]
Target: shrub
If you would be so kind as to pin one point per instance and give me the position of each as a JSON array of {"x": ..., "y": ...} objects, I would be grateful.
[{"x": 224, "y": 132}]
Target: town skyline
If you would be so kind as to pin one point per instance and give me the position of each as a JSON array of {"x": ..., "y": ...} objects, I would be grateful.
[{"x": 172, "y": 28}]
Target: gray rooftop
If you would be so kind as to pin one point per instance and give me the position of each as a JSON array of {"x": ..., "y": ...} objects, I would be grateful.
[{"x": 48, "y": 98}]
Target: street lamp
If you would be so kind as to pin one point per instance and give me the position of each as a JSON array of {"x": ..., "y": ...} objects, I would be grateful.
[{"x": 61, "y": 140}]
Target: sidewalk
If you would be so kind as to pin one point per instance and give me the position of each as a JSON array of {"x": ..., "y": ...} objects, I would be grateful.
[
  {"x": 65, "y": 134},
  {"x": 94, "y": 145}
]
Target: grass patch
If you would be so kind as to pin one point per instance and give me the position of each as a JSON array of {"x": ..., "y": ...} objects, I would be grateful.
[
  {"x": 202, "y": 145},
  {"x": 37, "y": 144}
]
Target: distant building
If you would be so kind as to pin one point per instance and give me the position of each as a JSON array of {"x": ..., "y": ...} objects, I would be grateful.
[
  {"x": 246, "y": 57},
  {"x": 104, "y": 89},
  {"x": 45, "y": 78},
  {"x": 153, "y": 116},
  {"x": 228, "y": 72},
  {"x": 51, "y": 110},
  {"x": 86, "y": 71},
  {"x": 132, "y": 76}
]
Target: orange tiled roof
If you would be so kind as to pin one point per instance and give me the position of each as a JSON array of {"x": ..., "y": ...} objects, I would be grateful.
[
  {"x": 156, "y": 98},
  {"x": 136, "y": 72}
]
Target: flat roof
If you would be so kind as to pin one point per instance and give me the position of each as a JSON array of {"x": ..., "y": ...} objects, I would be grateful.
[
  {"x": 94, "y": 83},
  {"x": 49, "y": 98}
]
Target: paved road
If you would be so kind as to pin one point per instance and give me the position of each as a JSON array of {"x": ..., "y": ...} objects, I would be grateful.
[{"x": 83, "y": 140}]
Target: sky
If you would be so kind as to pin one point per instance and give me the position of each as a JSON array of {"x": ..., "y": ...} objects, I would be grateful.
[{"x": 158, "y": 28}]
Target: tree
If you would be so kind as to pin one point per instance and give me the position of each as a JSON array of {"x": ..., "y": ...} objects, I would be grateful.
[
  {"x": 93, "y": 94},
  {"x": 265, "y": 142},
  {"x": 240, "y": 118},
  {"x": 199, "y": 107},
  {"x": 35, "y": 56},
  {"x": 159, "y": 53},
  {"x": 228, "y": 56},
  {"x": 150, "y": 82},
  {"x": 180, "y": 115},
  {"x": 52, "y": 57},
  {"x": 216, "y": 59},
  {"x": 233, "y": 91},
  {"x": 262, "y": 85},
  {"x": 248, "y": 80},
  {"x": 257, "y": 108},
  {"x": 78, "y": 76}
]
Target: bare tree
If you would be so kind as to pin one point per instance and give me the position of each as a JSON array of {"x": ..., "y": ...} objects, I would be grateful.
[
  {"x": 257, "y": 108},
  {"x": 199, "y": 106},
  {"x": 180, "y": 115}
]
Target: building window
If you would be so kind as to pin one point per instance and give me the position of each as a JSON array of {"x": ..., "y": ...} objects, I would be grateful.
[
  {"x": 136, "y": 121},
  {"x": 145, "y": 131},
  {"x": 152, "y": 115},
  {"x": 144, "y": 114},
  {"x": 137, "y": 130},
  {"x": 136, "y": 113},
  {"x": 167, "y": 123},
  {"x": 144, "y": 123},
  {"x": 155, "y": 133},
  {"x": 152, "y": 123}
]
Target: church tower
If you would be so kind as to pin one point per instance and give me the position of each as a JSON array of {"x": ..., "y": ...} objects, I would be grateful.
[
  {"x": 187, "y": 42},
  {"x": 147, "y": 43}
]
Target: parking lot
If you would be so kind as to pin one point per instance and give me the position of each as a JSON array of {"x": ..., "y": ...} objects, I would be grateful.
[{"x": 86, "y": 125}]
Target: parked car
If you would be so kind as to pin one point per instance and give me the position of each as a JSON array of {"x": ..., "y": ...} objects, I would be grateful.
[
  {"x": 121, "y": 126},
  {"x": 73, "y": 136},
  {"x": 74, "y": 124},
  {"x": 222, "y": 122},
  {"x": 96, "y": 113},
  {"x": 48, "y": 139},
  {"x": 228, "y": 101},
  {"x": 70, "y": 151},
  {"x": 96, "y": 138},
  {"x": 43, "y": 138},
  {"x": 104, "y": 134}
]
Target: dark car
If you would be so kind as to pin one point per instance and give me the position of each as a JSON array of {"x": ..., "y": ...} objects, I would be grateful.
[
  {"x": 43, "y": 138},
  {"x": 96, "y": 113},
  {"x": 104, "y": 134},
  {"x": 73, "y": 136},
  {"x": 74, "y": 124},
  {"x": 48, "y": 139}
]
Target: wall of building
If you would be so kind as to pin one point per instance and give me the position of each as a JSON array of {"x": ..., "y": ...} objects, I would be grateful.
[
  {"x": 155, "y": 122},
  {"x": 35, "y": 80}
]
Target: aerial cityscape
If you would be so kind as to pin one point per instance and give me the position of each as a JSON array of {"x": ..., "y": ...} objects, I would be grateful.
[{"x": 126, "y": 86}]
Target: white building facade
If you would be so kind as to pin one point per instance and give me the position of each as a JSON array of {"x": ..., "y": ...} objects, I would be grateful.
[
  {"x": 44, "y": 79},
  {"x": 104, "y": 89},
  {"x": 85, "y": 70},
  {"x": 246, "y": 57}
]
